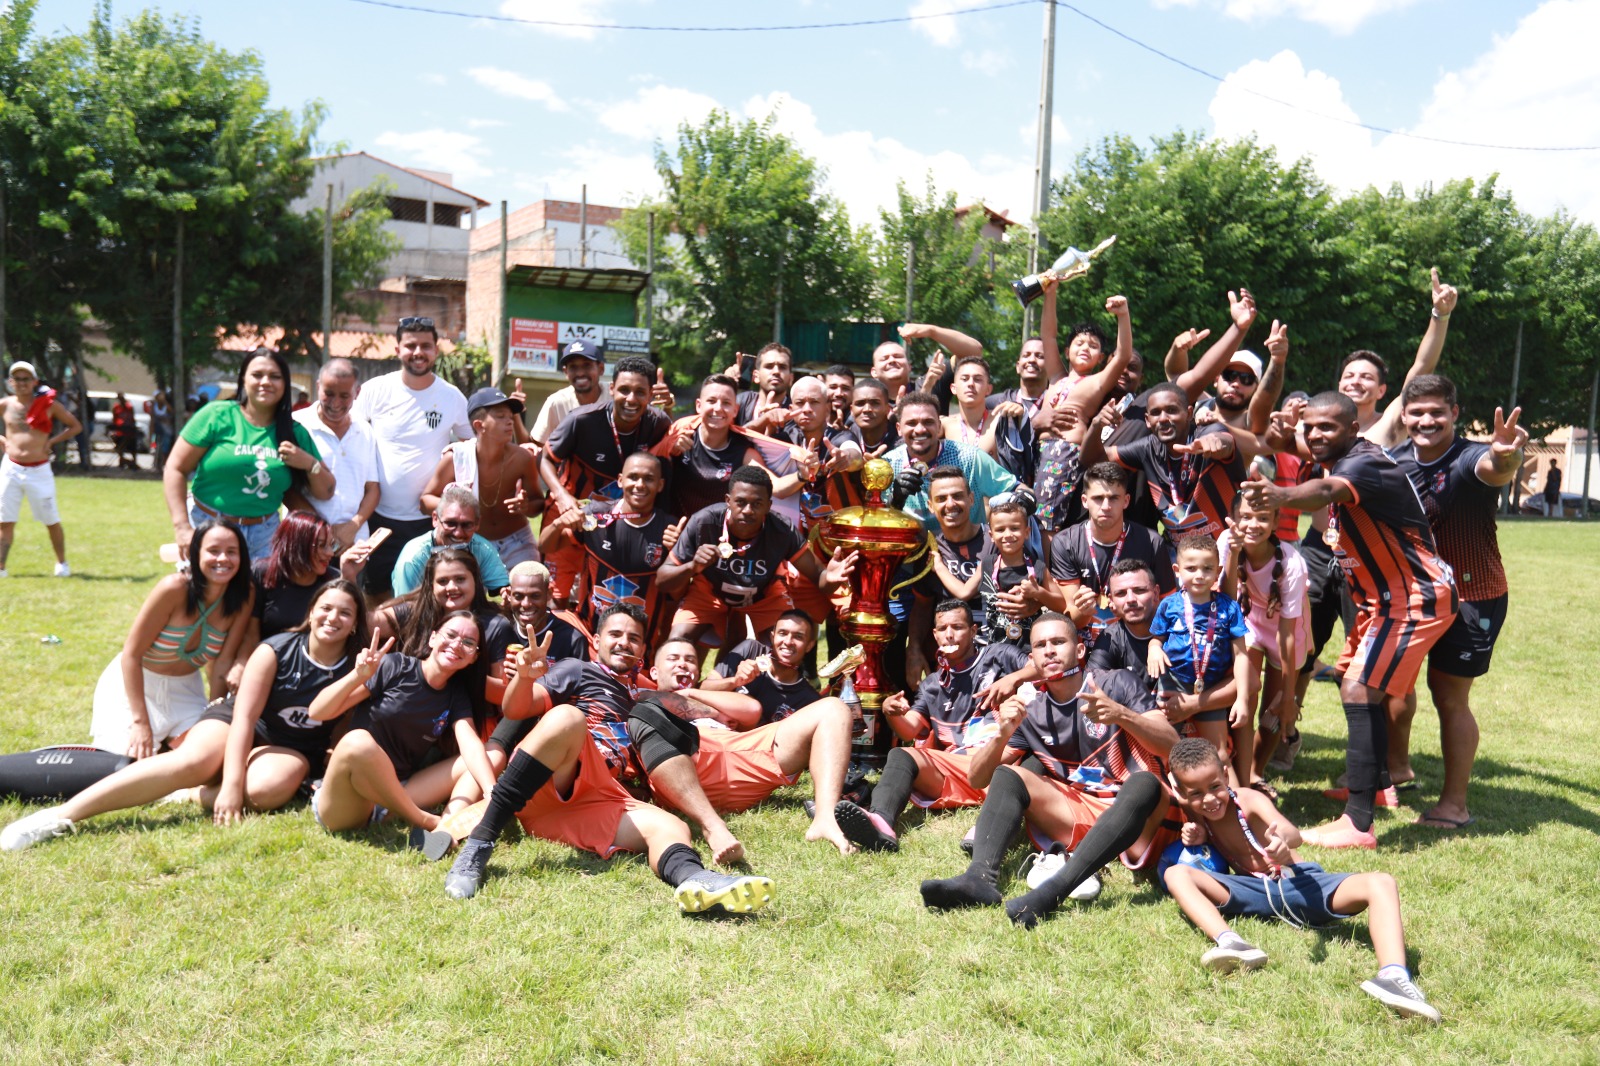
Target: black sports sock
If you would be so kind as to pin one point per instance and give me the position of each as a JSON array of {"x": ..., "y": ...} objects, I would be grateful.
[
  {"x": 893, "y": 790},
  {"x": 679, "y": 863},
  {"x": 1366, "y": 759},
  {"x": 524, "y": 776},
  {"x": 1113, "y": 832},
  {"x": 998, "y": 820}
]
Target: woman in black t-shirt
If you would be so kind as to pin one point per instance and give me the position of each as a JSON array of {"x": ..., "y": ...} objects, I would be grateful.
[
  {"x": 403, "y": 707},
  {"x": 265, "y": 773},
  {"x": 300, "y": 562}
]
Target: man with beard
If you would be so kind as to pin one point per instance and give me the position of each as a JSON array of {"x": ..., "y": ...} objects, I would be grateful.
[
  {"x": 620, "y": 544},
  {"x": 960, "y": 542},
  {"x": 564, "y": 781},
  {"x": 728, "y": 564},
  {"x": 526, "y": 602},
  {"x": 872, "y": 411},
  {"x": 1083, "y": 557},
  {"x": 413, "y": 415},
  {"x": 347, "y": 449},
  {"x": 1193, "y": 473},
  {"x": 922, "y": 447},
  {"x": 946, "y": 723},
  {"x": 707, "y": 449},
  {"x": 1459, "y": 483},
  {"x": 455, "y": 525},
  {"x": 840, "y": 381},
  {"x": 584, "y": 456},
  {"x": 790, "y": 727},
  {"x": 504, "y": 477},
  {"x": 764, "y": 408},
  {"x": 1364, "y": 376},
  {"x": 1405, "y": 594},
  {"x": 1098, "y": 740},
  {"x": 583, "y": 364}
]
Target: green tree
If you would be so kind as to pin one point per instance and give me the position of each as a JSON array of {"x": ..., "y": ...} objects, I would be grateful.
[
  {"x": 949, "y": 258},
  {"x": 746, "y": 214}
]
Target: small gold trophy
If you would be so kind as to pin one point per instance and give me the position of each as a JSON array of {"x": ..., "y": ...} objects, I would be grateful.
[{"x": 1072, "y": 264}]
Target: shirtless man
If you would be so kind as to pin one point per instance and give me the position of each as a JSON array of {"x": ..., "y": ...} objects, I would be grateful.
[
  {"x": 25, "y": 470},
  {"x": 504, "y": 477}
]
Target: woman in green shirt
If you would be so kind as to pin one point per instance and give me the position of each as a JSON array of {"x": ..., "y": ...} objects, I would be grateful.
[{"x": 243, "y": 457}]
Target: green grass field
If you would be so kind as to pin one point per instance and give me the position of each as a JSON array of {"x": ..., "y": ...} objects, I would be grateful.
[{"x": 152, "y": 936}]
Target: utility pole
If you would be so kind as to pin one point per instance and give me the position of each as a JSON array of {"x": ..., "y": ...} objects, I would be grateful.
[
  {"x": 777, "y": 309},
  {"x": 910, "y": 277},
  {"x": 1513, "y": 496},
  {"x": 180, "y": 394},
  {"x": 1041, "y": 157},
  {"x": 327, "y": 276},
  {"x": 583, "y": 228},
  {"x": 650, "y": 282},
  {"x": 4, "y": 358},
  {"x": 1588, "y": 444},
  {"x": 503, "y": 334}
]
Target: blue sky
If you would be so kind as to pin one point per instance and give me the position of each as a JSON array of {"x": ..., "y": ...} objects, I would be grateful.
[{"x": 522, "y": 112}]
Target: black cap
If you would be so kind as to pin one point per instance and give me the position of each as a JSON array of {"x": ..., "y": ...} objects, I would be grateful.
[
  {"x": 489, "y": 396},
  {"x": 581, "y": 349}
]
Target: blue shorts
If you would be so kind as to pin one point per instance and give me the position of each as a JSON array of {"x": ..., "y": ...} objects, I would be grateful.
[{"x": 1302, "y": 894}]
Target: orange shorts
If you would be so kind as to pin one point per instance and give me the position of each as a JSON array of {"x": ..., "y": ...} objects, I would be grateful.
[
  {"x": 564, "y": 564},
  {"x": 1087, "y": 808},
  {"x": 739, "y": 769},
  {"x": 1387, "y": 653},
  {"x": 957, "y": 790},
  {"x": 700, "y": 606},
  {"x": 807, "y": 597},
  {"x": 587, "y": 818}
]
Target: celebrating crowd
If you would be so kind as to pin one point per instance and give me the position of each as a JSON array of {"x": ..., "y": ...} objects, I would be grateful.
[{"x": 1126, "y": 596}]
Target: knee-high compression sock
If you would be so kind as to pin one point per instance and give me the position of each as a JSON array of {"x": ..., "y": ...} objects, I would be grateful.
[
  {"x": 998, "y": 819},
  {"x": 1365, "y": 760},
  {"x": 524, "y": 776},
  {"x": 893, "y": 790},
  {"x": 1113, "y": 832},
  {"x": 679, "y": 863}
]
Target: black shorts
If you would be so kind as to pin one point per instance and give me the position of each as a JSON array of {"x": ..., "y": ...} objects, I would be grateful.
[
  {"x": 1467, "y": 646},
  {"x": 221, "y": 710},
  {"x": 1327, "y": 595}
]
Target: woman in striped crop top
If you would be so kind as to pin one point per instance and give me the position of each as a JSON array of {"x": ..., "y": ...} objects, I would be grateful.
[{"x": 191, "y": 622}]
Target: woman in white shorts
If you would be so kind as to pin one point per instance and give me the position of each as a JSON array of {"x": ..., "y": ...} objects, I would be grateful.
[
  {"x": 1269, "y": 581},
  {"x": 194, "y": 621}
]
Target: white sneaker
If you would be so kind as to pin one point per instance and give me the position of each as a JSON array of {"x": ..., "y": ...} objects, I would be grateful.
[
  {"x": 63, "y": 570},
  {"x": 1046, "y": 865},
  {"x": 1239, "y": 956},
  {"x": 4, "y": 574},
  {"x": 40, "y": 825}
]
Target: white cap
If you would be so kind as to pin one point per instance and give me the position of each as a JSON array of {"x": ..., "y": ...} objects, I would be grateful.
[
  {"x": 1249, "y": 359},
  {"x": 20, "y": 365}
]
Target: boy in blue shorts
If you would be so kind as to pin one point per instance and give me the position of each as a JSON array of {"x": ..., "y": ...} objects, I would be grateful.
[
  {"x": 1200, "y": 637},
  {"x": 1256, "y": 840}
]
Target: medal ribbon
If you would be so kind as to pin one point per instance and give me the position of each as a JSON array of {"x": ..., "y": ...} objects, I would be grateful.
[
  {"x": 1211, "y": 628},
  {"x": 1276, "y": 871},
  {"x": 727, "y": 538},
  {"x": 1094, "y": 560}
]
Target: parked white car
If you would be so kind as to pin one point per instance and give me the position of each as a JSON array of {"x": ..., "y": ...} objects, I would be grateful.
[{"x": 103, "y": 402}]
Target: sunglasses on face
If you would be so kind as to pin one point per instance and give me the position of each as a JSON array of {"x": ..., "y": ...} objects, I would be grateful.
[
  {"x": 458, "y": 523},
  {"x": 1239, "y": 377}
]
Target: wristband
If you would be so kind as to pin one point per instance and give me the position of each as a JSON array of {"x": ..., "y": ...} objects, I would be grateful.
[{"x": 1441, "y": 318}]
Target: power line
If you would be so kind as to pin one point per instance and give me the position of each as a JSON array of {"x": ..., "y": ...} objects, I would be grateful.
[
  {"x": 557, "y": 24},
  {"x": 1186, "y": 65}
]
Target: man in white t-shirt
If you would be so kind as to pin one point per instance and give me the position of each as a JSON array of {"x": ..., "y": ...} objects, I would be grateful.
[
  {"x": 413, "y": 415},
  {"x": 347, "y": 448},
  {"x": 584, "y": 366}
]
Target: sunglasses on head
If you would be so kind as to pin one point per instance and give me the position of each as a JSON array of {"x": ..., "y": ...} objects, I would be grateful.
[
  {"x": 1239, "y": 377},
  {"x": 415, "y": 322}
]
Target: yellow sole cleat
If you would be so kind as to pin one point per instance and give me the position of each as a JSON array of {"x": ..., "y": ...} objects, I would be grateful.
[{"x": 736, "y": 895}]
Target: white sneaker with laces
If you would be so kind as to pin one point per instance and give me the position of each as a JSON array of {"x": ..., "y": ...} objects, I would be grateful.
[
  {"x": 27, "y": 831},
  {"x": 63, "y": 570},
  {"x": 1045, "y": 865}
]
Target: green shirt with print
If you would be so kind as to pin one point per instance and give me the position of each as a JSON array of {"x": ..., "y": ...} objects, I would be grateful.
[{"x": 240, "y": 473}]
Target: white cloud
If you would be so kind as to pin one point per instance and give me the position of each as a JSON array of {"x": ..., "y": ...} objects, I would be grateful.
[
  {"x": 1340, "y": 16},
  {"x": 941, "y": 28},
  {"x": 615, "y": 178},
  {"x": 519, "y": 86},
  {"x": 460, "y": 154},
  {"x": 486, "y": 123},
  {"x": 579, "y": 11},
  {"x": 1532, "y": 87},
  {"x": 655, "y": 112},
  {"x": 1028, "y": 133},
  {"x": 989, "y": 61}
]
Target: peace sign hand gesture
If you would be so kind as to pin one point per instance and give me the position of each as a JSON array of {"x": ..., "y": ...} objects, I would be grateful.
[
  {"x": 533, "y": 662},
  {"x": 1508, "y": 436},
  {"x": 368, "y": 658},
  {"x": 1278, "y": 341}
]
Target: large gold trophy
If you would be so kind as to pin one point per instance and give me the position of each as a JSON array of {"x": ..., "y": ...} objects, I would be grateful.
[{"x": 886, "y": 538}]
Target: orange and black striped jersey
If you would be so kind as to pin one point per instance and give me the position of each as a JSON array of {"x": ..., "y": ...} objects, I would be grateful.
[
  {"x": 1382, "y": 540},
  {"x": 620, "y": 560},
  {"x": 588, "y": 448},
  {"x": 1063, "y": 739},
  {"x": 1192, "y": 493}
]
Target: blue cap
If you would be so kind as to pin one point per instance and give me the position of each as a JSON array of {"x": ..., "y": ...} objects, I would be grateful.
[{"x": 581, "y": 349}]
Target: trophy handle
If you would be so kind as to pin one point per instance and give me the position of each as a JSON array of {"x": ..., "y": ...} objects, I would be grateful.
[{"x": 925, "y": 550}]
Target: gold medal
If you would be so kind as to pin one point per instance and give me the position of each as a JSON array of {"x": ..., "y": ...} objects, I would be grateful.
[
  {"x": 764, "y": 663},
  {"x": 725, "y": 550},
  {"x": 590, "y": 523},
  {"x": 1105, "y": 602}
]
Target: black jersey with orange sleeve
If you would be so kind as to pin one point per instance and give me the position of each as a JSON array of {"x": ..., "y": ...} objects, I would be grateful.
[
  {"x": 743, "y": 578},
  {"x": 945, "y": 698},
  {"x": 620, "y": 560},
  {"x": 1077, "y": 557},
  {"x": 1382, "y": 540},
  {"x": 1193, "y": 494},
  {"x": 589, "y": 449},
  {"x": 1460, "y": 510},
  {"x": 961, "y": 558},
  {"x": 778, "y": 699},
  {"x": 699, "y": 477},
  {"x": 1062, "y": 738},
  {"x": 605, "y": 700}
]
